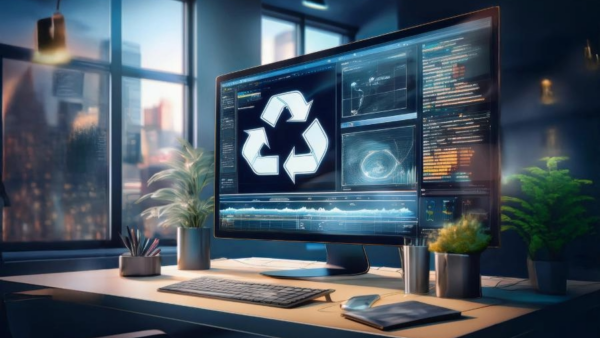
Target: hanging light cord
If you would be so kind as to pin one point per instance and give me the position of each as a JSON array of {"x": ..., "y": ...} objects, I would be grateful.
[{"x": 57, "y": 5}]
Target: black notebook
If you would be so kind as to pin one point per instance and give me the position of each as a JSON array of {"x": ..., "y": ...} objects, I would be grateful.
[{"x": 400, "y": 315}]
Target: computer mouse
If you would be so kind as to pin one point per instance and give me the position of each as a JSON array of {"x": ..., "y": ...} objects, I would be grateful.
[{"x": 359, "y": 302}]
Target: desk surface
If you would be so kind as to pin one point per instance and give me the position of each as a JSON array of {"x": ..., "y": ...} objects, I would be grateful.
[{"x": 505, "y": 299}]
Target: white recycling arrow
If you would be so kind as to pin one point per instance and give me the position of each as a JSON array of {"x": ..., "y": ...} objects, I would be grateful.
[
  {"x": 295, "y": 103},
  {"x": 317, "y": 141},
  {"x": 267, "y": 165}
]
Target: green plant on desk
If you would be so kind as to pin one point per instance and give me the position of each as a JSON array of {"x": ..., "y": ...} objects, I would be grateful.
[
  {"x": 190, "y": 171},
  {"x": 551, "y": 214}
]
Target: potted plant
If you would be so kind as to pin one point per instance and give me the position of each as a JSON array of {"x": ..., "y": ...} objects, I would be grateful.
[
  {"x": 457, "y": 248},
  {"x": 550, "y": 214},
  {"x": 189, "y": 170}
]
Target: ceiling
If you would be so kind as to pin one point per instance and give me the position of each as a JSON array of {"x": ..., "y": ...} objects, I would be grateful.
[{"x": 353, "y": 13}]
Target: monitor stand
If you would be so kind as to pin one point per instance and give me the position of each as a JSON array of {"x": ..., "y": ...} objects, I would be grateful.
[{"x": 342, "y": 260}]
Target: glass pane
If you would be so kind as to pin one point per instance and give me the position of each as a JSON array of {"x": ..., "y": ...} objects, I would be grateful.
[
  {"x": 87, "y": 22},
  {"x": 55, "y": 153},
  {"x": 318, "y": 39},
  {"x": 278, "y": 40},
  {"x": 152, "y": 122},
  {"x": 153, "y": 34}
]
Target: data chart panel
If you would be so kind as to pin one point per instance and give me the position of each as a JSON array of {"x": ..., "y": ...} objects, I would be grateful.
[
  {"x": 364, "y": 213},
  {"x": 379, "y": 85}
]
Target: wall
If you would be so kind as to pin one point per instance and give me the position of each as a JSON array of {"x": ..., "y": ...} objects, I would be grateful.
[
  {"x": 228, "y": 40},
  {"x": 386, "y": 21}
]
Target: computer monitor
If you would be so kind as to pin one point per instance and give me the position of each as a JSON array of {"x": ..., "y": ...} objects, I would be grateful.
[{"x": 372, "y": 142}]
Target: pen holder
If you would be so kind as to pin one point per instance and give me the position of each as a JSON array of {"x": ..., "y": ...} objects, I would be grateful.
[
  {"x": 134, "y": 266},
  {"x": 415, "y": 267}
]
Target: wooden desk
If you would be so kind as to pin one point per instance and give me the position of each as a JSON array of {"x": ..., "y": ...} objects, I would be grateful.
[{"x": 508, "y": 307}]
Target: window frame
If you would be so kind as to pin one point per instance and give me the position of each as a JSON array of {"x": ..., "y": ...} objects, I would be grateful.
[
  {"x": 303, "y": 20},
  {"x": 116, "y": 71}
]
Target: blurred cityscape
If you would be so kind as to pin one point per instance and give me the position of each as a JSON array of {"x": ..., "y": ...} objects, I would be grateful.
[
  {"x": 55, "y": 165},
  {"x": 56, "y": 150},
  {"x": 56, "y": 137}
]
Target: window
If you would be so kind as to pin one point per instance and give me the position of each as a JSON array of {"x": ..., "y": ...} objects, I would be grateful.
[
  {"x": 79, "y": 141},
  {"x": 152, "y": 122},
  {"x": 287, "y": 34},
  {"x": 153, "y": 108},
  {"x": 153, "y": 32},
  {"x": 317, "y": 39},
  {"x": 279, "y": 40}
]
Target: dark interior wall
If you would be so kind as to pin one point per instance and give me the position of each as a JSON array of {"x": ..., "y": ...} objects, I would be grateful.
[
  {"x": 384, "y": 22},
  {"x": 229, "y": 39},
  {"x": 228, "y": 32}
]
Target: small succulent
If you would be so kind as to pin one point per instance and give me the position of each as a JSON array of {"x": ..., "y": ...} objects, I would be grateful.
[
  {"x": 190, "y": 171},
  {"x": 465, "y": 236}
]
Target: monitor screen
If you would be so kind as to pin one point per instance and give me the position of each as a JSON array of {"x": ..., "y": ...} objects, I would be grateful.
[{"x": 367, "y": 143}]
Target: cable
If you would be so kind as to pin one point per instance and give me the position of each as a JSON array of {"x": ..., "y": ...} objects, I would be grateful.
[
  {"x": 57, "y": 5},
  {"x": 507, "y": 286}
]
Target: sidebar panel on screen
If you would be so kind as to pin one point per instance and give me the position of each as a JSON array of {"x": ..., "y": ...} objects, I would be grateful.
[{"x": 457, "y": 175}]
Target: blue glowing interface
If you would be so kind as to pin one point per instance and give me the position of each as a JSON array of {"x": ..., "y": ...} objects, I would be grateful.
[{"x": 390, "y": 140}]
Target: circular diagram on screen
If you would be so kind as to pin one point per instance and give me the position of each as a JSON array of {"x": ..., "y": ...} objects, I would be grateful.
[{"x": 379, "y": 164}]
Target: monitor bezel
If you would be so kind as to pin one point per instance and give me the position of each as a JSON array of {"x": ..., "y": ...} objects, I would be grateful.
[{"x": 492, "y": 12}]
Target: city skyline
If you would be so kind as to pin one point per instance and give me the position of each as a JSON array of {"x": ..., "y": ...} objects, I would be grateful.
[{"x": 74, "y": 205}]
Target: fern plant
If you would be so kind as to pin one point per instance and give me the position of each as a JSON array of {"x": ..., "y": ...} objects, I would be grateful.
[
  {"x": 465, "y": 236},
  {"x": 190, "y": 171},
  {"x": 552, "y": 212}
]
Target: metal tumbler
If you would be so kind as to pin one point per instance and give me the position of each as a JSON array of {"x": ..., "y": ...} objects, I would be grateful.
[{"x": 415, "y": 264}]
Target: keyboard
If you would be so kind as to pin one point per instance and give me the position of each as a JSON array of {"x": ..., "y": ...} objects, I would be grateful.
[{"x": 255, "y": 293}]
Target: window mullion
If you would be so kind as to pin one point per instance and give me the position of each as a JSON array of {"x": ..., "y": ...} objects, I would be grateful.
[
  {"x": 116, "y": 136},
  {"x": 142, "y": 73},
  {"x": 189, "y": 45},
  {"x": 302, "y": 35}
]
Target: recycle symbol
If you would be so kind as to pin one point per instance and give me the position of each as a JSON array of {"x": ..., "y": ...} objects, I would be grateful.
[{"x": 295, "y": 164}]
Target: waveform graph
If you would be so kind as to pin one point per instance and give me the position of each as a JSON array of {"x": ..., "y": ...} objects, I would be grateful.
[
  {"x": 320, "y": 211},
  {"x": 345, "y": 218},
  {"x": 379, "y": 157}
]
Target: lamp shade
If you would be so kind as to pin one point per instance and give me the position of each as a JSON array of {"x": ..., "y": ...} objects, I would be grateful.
[
  {"x": 315, "y": 4},
  {"x": 51, "y": 36}
]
